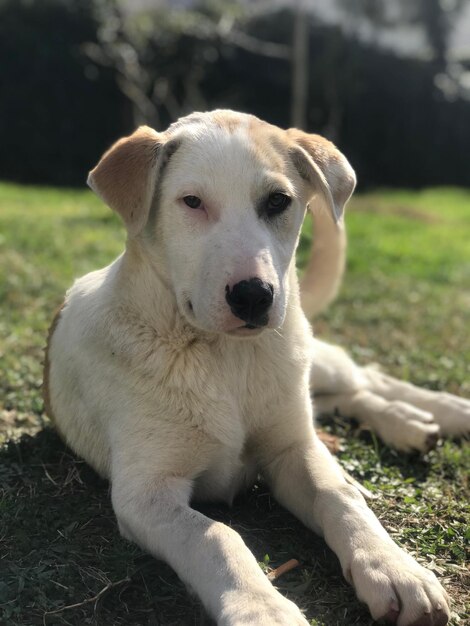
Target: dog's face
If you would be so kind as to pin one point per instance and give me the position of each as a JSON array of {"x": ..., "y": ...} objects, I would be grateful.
[
  {"x": 218, "y": 201},
  {"x": 229, "y": 216}
]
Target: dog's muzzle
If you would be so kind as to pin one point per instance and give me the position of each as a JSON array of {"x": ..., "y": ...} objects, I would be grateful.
[{"x": 250, "y": 300}]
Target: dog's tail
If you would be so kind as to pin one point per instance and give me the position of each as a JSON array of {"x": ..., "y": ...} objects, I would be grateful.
[{"x": 324, "y": 270}]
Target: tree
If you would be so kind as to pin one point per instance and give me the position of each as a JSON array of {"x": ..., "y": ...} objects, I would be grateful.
[{"x": 162, "y": 57}]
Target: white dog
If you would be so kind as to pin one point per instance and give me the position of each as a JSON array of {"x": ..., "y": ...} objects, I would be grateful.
[{"x": 182, "y": 370}]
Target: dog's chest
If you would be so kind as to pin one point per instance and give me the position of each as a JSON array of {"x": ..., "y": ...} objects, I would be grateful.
[
  {"x": 216, "y": 397},
  {"x": 231, "y": 393},
  {"x": 230, "y": 471}
]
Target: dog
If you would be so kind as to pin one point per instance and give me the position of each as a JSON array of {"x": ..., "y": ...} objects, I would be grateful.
[{"x": 183, "y": 370}]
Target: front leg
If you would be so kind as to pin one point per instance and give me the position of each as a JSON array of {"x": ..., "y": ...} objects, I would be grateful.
[
  {"x": 306, "y": 479},
  {"x": 151, "y": 489}
]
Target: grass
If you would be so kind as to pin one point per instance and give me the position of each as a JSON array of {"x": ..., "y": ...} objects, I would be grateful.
[{"x": 405, "y": 303}]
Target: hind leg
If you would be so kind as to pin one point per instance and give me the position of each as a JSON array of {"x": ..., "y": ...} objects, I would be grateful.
[
  {"x": 451, "y": 413},
  {"x": 402, "y": 415}
]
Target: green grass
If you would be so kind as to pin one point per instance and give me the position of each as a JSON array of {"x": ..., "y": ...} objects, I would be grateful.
[{"x": 405, "y": 303}]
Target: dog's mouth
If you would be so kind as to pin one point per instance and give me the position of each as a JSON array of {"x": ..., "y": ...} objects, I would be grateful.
[{"x": 247, "y": 329}]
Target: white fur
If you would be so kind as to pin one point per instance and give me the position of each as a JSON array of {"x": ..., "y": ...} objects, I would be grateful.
[{"x": 172, "y": 402}]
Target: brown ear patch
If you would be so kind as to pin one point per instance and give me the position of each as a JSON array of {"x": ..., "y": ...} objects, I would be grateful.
[
  {"x": 303, "y": 165},
  {"x": 125, "y": 176},
  {"x": 322, "y": 151},
  {"x": 335, "y": 168}
]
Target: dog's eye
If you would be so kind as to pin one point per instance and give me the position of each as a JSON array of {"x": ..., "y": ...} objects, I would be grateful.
[
  {"x": 277, "y": 203},
  {"x": 193, "y": 202}
]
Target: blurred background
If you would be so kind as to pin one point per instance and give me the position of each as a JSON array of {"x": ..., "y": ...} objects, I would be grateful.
[{"x": 387, "y": 80}]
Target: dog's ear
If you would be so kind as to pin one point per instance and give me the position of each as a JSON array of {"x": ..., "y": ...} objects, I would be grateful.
[
  {"x": 325, "y": 168},
  {"x": 125, "y": 177}
]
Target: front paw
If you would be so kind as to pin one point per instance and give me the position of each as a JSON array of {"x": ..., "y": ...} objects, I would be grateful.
[
  {"x": 264, "y": 609},
  {"x": 397, "y": 589}
]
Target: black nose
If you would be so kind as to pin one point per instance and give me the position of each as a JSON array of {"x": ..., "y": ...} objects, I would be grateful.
[{"x": 250, "y": 300}]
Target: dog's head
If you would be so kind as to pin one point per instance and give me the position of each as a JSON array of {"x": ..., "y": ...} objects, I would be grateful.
[{"x": 217, "y": 202}]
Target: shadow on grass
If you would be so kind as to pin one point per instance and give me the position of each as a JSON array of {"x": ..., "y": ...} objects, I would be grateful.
[{"x": 61, "y": 548}]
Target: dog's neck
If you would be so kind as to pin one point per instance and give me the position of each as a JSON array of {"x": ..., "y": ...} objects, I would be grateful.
[
  {"x": 141, "y": 261},
  {"x": 144, "y": 284}
]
